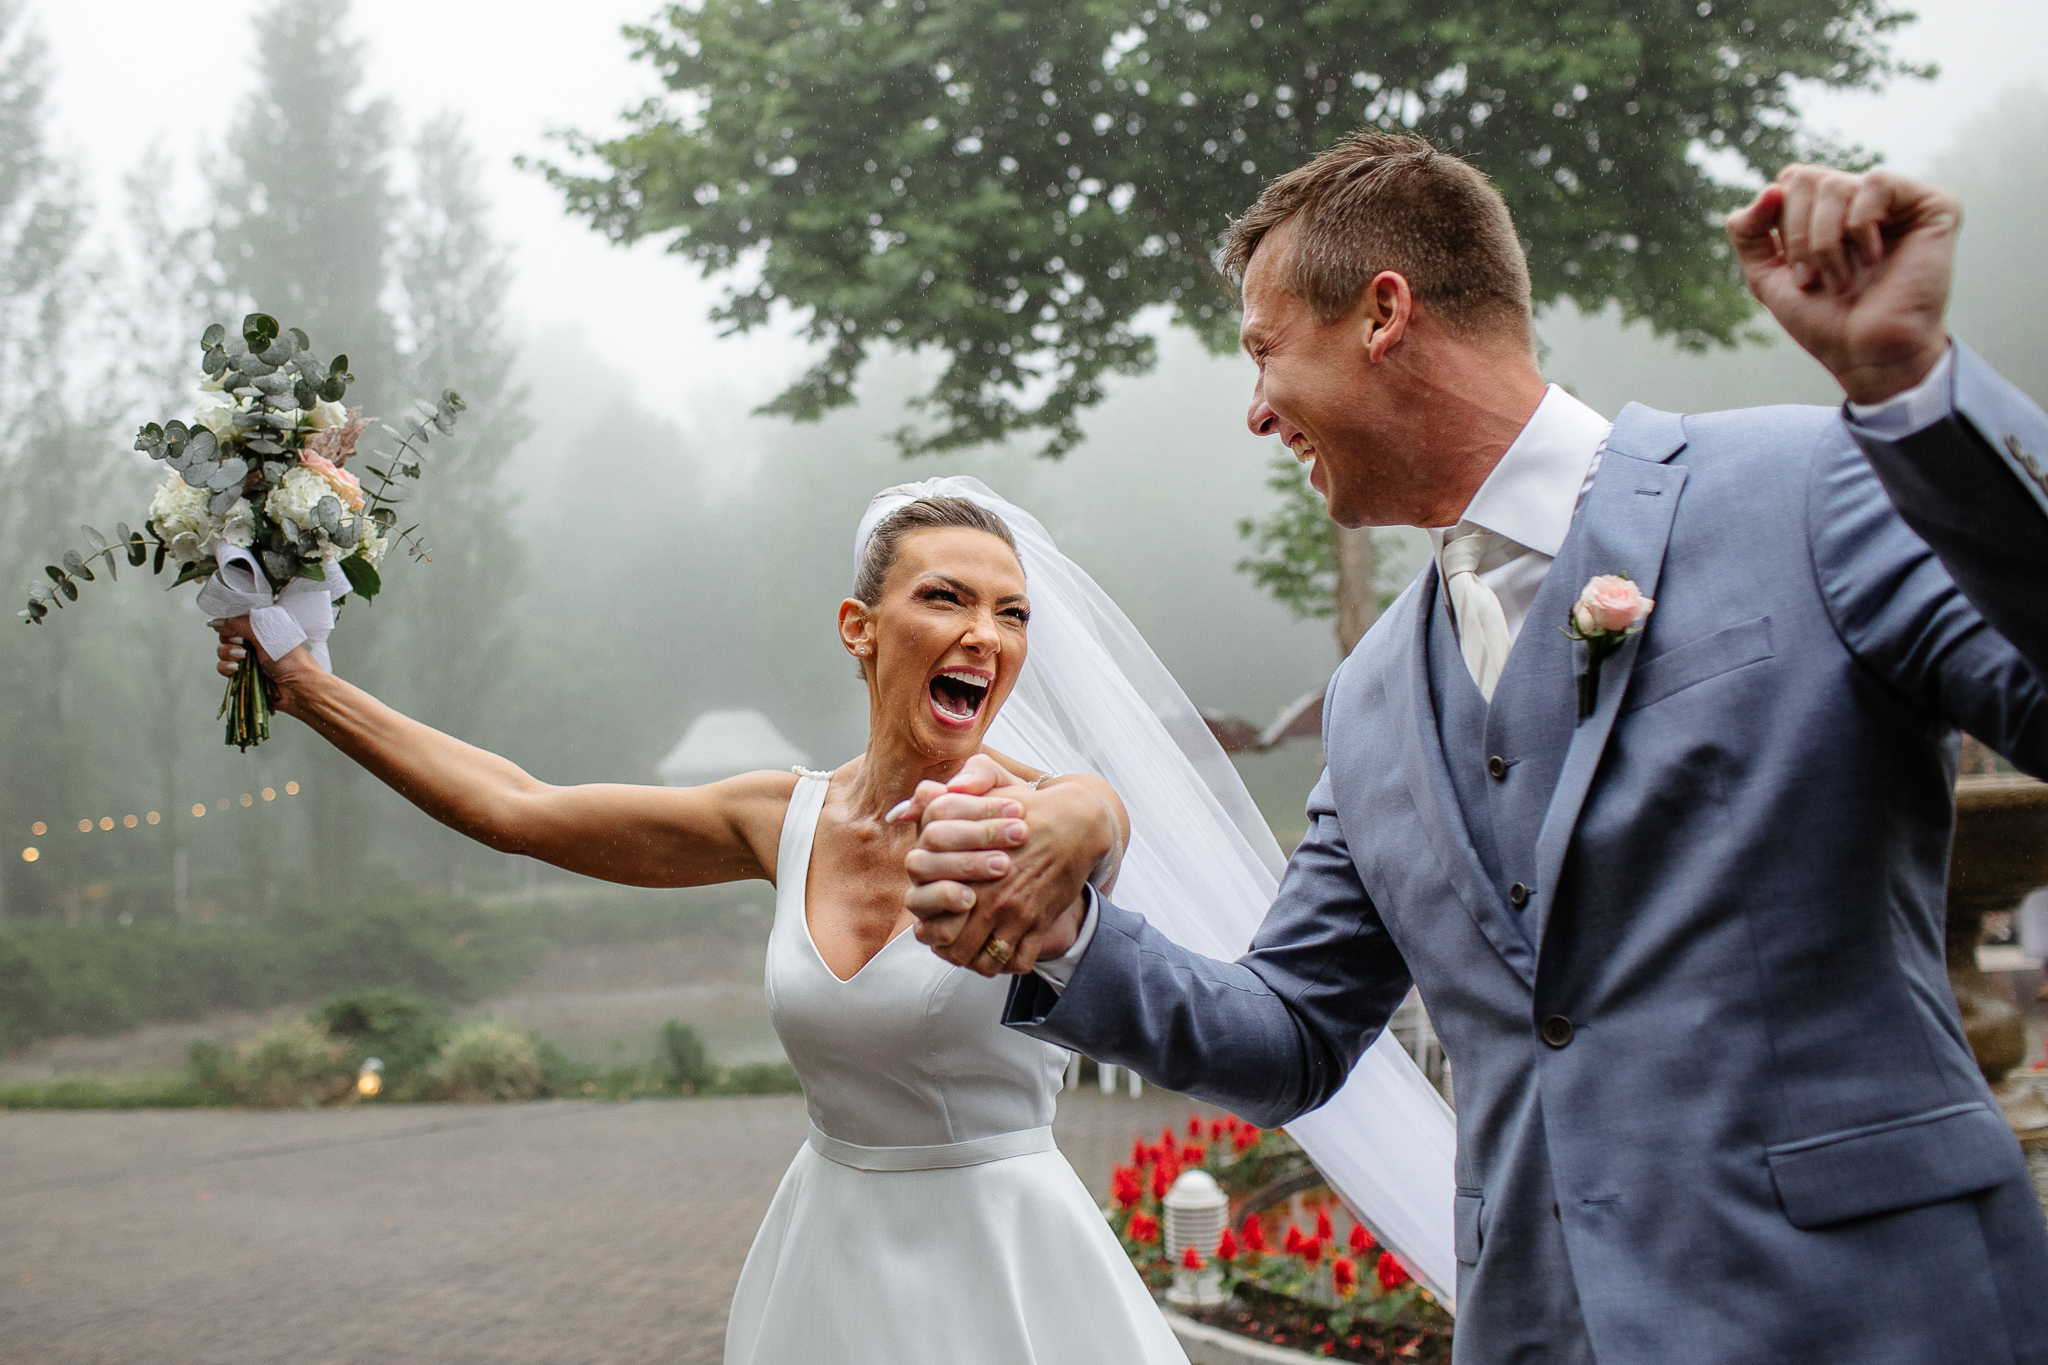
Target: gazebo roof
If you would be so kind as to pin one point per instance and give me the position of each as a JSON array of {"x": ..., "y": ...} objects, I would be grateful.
[{"x": 721, "y": 744}]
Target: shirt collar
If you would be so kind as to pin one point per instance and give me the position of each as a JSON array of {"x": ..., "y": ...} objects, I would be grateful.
[{"x": 1532, "y": 494}]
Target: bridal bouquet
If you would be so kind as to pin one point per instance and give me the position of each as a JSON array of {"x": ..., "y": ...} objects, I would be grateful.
[{"x": 260, "y": 507}]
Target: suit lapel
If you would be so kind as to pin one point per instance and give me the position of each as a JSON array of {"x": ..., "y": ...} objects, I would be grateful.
[
  {"x": 1435, "y": 799},
  {"x": 1623, "y": 527}
]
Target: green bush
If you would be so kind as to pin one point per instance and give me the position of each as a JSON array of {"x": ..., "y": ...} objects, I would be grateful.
[
  {"x": 403, "y": 1031},
  {"x": 682, "y": 1061},
  {"x": 211, "y": 1071},
  {"x": 294, "y": 1065},
  {"x": 487, "y": 1061},
  {"x": 558, "y": 1074}
]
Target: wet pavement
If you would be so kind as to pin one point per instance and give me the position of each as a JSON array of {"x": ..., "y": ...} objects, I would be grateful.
[{"x": 560, "y": 1232}]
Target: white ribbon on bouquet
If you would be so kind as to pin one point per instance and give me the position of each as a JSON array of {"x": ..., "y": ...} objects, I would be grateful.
[{"x": 303, "y": 614}]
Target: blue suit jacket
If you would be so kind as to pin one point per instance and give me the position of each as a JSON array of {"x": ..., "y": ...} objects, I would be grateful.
[{"x": 1765, "y": 1138}]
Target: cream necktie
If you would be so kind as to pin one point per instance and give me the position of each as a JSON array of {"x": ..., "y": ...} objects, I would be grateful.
[{"x": 1482, "y": 625}]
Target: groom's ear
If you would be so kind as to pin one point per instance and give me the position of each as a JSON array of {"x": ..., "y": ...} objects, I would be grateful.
[{"x": 1386, "y": 306}]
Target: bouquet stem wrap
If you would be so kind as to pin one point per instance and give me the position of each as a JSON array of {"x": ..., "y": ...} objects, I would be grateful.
[{"x": 303, "y": 614}]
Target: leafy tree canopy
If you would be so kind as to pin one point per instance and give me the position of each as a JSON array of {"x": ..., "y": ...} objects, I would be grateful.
[{"x": 1014, "y": 183}]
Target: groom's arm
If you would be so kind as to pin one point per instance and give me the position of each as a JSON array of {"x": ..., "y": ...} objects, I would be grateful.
[
  {"x": 1964, "y": 459},
  {"x": 1269, "y": 1036}
]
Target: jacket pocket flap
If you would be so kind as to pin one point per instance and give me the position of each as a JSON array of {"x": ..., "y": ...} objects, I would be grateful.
[
  {"x": 1697, "y": 661},
  {"x": 1885, "y": 1167},
  {"x": 1467, "y": 1219}
]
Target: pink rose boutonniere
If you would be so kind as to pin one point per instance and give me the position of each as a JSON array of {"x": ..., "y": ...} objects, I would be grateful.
[{"x": 1609, "y": 610}]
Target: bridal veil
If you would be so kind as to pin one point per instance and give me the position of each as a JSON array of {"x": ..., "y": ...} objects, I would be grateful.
[{"x": 1202, "y": 866}]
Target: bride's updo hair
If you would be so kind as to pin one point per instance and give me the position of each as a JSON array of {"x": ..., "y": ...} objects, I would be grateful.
[{"x": 879, "y": 555}]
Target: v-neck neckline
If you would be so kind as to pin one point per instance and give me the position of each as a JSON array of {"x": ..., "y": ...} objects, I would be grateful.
[{"x": 804, "y": 904}]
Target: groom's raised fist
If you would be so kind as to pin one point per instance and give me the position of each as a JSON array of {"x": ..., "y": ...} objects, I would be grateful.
[{"x": 1856, "y": 268}]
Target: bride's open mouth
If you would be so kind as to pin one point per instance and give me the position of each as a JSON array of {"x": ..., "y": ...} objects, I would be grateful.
[{"x": 957, "y": 695}]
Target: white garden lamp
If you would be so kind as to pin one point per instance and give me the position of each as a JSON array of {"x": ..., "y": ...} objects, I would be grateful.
[{"x": 1196, "y": 1211}]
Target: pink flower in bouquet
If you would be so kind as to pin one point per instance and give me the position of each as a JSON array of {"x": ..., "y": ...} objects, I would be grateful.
[
  {"x": 1392, "y": 1274},
  {"x": 1610, "y": 603},
  {"x": 340, "y": 480},
  {"x": 337, "y": 443}
]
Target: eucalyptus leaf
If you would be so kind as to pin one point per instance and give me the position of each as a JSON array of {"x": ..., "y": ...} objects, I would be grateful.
[
  {"x": 277, "y": 352},
  {"x": 301, "y": 340},
  {"x": 229, "y": 473},
  {"x": 223, "y": 500},
  {"x": 94, "y": 536},
  {"x": 305, "y": 395},
  {"x": 277, "y": 566},
  {"x": 138, "y": 550},
  {"x": 331, "y": 390},
  {"x": 263, "y": 445},
  {"x": 273, "y": 470},
  {"x": 363, "y": 579},
  {"x": 204, "y": 444},
  {"x": 76, "y": 565},
  {"x": 384, "y": 517},
  {"x": 215, "y": 363},
  {"x": 213, "y": 336},
  {"x": 69, "y": 589},
  {"x": 259, "y": 328},
  {"x": 162, "y": 553},
  {"x": 327, "y": 512}
]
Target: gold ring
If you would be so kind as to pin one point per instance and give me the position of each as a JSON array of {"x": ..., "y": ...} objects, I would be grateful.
[{"x": 1000, "y": 951}]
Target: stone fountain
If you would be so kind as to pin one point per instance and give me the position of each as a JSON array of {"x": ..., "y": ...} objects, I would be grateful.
[{"x": 2001, "y": 853}]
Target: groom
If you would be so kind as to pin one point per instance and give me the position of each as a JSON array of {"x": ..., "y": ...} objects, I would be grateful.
[{"x": 1674, "y": 898}]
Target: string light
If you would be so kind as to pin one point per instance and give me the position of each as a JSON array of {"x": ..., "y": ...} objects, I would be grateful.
[{"x": 32, "y": 854}]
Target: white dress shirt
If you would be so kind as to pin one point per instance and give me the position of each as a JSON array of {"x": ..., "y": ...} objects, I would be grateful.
[{"x": 1531, "y": 497}]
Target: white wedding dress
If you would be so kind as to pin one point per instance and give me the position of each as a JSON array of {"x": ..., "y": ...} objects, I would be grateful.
[{"x": 928, "y": 1219}]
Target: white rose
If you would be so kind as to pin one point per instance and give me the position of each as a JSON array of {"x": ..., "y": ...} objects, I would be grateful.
[
  {"x": 178, "y": 512},
  {"x": 214, "y": 383},
  {"x": 373, "y": 544},
  {"x": 291, "y": 505},
  {"x": 325, "y": 415},
  {"x": 239, "y": 526},
  {"x": 216, "y": 413}
]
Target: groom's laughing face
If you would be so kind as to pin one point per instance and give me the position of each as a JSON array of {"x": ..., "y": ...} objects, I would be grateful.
[{"x": 1317, "y": 390}]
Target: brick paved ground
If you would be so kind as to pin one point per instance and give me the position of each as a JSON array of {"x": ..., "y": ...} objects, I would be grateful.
[{"x": 556, "y": 1232}]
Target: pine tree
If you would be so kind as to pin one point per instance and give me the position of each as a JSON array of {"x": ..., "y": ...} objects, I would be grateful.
[
  {"x": 51, "y": 467},
  {"x": 453, "y": 276},
  {"x": 301, "y": 231}
]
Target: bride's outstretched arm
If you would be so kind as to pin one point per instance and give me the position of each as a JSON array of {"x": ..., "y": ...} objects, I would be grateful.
[{"x": 641, "y": 836}]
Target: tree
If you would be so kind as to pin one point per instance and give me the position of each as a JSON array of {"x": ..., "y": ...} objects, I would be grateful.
[
  {"x": 1014, "y": 186},
  {"x": 454, "y": 276},
  {"x": 52, "y": 470},
  {"x": 301, "y": 230}
]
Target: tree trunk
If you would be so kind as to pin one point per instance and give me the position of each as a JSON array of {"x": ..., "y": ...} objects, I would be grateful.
[{"x": 1358, "y": 598}]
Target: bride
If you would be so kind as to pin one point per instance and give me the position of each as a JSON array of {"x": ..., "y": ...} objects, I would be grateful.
[{"x": 929, "y": 1217}]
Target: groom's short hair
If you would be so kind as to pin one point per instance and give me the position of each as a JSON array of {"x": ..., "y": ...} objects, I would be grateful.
[{"x": 1389, "y": 201}]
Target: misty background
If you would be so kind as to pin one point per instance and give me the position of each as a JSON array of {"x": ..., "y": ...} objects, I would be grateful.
[{"x": 619, "y": 546}]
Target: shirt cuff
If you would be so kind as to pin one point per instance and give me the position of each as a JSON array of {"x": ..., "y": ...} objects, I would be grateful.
[
  {"x": 1914, "y": 410},
  {"x": 1058, "y": 971}
]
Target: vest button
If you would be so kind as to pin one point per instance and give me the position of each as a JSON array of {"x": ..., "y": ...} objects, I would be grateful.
[
  {"x": 1556, "y": 1030},
  {"x": 1518, "y": 895},
  {"x": 1496, "y": 767}
]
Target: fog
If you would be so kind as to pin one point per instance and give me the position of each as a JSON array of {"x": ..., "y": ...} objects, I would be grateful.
[{"x": 622, "y": 546}]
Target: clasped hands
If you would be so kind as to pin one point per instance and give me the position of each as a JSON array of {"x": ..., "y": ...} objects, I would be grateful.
[{"x": 998, "y": 868}]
